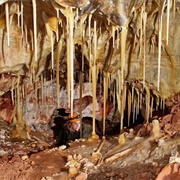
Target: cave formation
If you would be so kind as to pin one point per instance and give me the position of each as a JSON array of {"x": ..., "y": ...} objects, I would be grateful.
[{"x": 102, "y": 58}]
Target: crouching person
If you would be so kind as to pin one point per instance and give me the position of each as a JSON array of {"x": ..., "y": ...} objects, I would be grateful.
[{"x": 71, "y": 129}]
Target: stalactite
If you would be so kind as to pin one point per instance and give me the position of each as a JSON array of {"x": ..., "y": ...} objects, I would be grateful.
[
  {"x": 119, "y": 108},
  {"x": 25, "y": 28},
  {"x": 36, "y": 94},
  {"x": 157, "y": 106},
  {"x": 22, "y": 20},
  {"x": 70, "y": 15},
  {"x": 95, "y": 43},
  {"x": 118, "y": 37},
  {"x": 167, "y": 23},
  {"x": 51, "y": 24},
  {"x": 34, "y": 58},
  {"x": 118, "y": 95},
  {"x": 71, "y": 27},
  {"x": 137, "y": 112},
  {"x": 123, "y": 51},
  {"x": 114, "y": 94},
  {"x": 76, "y": 18},
  {"x": 12, "y": 96},
  {"x": 125, "y": 94},
  {"x": 68, "y": 62},
  {"x": 138, "y": 100},
  {"x": 7, "y": 23},
  {"x": 141, "y": 34},
  {"x": 94, "y": 97},
  {"x": 57, "y": 13},
  {"x": 157, "y": 98},
  {"x": 26, "y": 95},
  {"x": 90, "y": 48},
  {"x": 129, "y": 106},
  {"x": 52, "y": 50},
  {"x": 113, "y": 34},
  {"x": 35, "y": 29},
  {"x": 123, "y": 102},
  {"x": 23, "y": 95},
  {"x": 82, "y": 69},
  {"x": 153, "y": 42},
  {"x": 174, "y": 8},
  {"x": 134, "y": 110},
  {"x": 94, "y": 81},
  {"x": 89, "y": 25},
  {"x": 57, "y": 34},
  {"x": 132, "y": 97},
  {"x": 42, "y": 89},
  {"x": 147, "y": 103},
  {"x": 152, "y": 102},
  {"x": 31, "y": 76},
  {"x": 15, "y": 95},
  {"x": 101, "y": 81},
  {"x": 59, "y": 47},
  {"x": 144, "y": 53},
  {"x": 18, "y": 14},
  {"x": 109, "y": 86},
  {"x": 161, "y": 103},
  {"x": 32, "y": 40},
  {"x": 52, "y": 77},
  {"x": 105, "y": 81},
  {"x": 80, "y": 94},
  {"x": 160, "y": 41},
  {"x": 83, "y": 36}
]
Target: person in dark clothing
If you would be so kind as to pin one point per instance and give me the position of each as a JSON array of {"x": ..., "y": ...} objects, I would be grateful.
[
  {"x": 71, "y": 130},
  {"x": 58, "y": 122}
]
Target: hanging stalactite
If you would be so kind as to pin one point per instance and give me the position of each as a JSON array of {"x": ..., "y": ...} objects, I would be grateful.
[
  {"x": 105, "y": 88},
  {"x": 161, "y": 11},
  {"x": 59, "y": 47},
  {"x": 7, "y": 23},
  {"x": 123, "y": 52},
  {"x": 129, "y": 106},
  {"x": 94, "y": 81}
]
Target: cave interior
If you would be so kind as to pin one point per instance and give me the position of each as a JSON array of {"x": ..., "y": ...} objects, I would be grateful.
[{"x": 115, "y": 62}]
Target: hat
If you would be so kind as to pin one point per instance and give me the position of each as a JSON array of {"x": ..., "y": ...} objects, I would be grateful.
[
  {"x": 62, "y": 112},
  {"x": 74, "y": 117}
]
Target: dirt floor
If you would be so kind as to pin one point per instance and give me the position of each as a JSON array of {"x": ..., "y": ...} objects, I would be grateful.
[{"x": 131, "y": 156}]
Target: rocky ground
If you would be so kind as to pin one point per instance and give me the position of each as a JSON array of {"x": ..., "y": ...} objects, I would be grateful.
[
  {"x": 140, "y": 153},
  {"x": 149, "y": 151}
]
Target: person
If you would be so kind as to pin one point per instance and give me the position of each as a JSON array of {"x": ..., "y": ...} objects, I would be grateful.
[
  {"x": 59, "y": 119},
  {"x": 71, "y": 130}
]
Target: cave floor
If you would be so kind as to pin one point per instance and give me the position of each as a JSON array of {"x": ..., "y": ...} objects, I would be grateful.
[{"x": 115, "y": 157}]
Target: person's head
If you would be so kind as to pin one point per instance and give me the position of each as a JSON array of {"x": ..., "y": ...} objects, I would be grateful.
[{"x": 74, "y": 122}]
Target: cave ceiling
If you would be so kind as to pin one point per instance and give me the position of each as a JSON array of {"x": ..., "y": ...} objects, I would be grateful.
[{"x": 125, "y": 40}]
